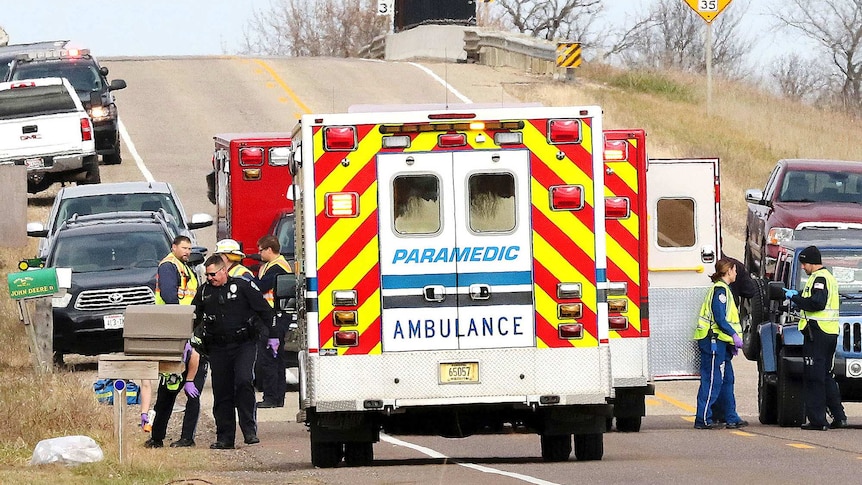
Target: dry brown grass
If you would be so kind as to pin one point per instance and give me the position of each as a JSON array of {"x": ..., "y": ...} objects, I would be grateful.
[{"x": 748, "y": 129}]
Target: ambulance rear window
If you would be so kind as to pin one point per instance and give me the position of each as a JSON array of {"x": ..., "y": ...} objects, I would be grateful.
[
  {"x": 675, "y": 223},
  {"x": 416, "y": 203},
  {"x": 492, "y": 202}
]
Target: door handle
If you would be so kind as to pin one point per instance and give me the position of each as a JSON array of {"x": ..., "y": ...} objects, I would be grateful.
[
  {"x": 434, "y": 292},
  {"x": 707, "y": 254},
  {"x": 480, "y": 291}
]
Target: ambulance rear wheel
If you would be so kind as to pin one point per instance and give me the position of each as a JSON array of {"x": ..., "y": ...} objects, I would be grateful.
[
  {"x": 358, "y": 454},
  {"x": 326, "y": 455},
  {"x": 589, "y": 447},
  {"x": 556, "y": 447},
  {"x": 629, "y": 424}
]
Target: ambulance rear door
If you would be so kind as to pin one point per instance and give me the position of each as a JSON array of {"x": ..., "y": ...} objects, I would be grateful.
[
  {"x": 456, "y": 262},
  {"x": 684, "y": 236}
]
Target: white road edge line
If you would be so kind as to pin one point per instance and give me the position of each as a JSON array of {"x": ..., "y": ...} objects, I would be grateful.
[
  {"x": 464, "y": 99},
  {"x": 481, "y": 468},
  {"x": 127, "y": 140}
]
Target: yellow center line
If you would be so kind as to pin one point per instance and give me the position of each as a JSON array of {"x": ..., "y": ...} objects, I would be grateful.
[
  {"x": 801, "y": 446},
  {"x": 283, "y": 85},
  {"x": 742, "y": 433},
  {"x": 674, "y": 402}
]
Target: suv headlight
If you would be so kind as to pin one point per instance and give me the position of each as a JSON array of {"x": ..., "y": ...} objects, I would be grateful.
[
  {"x": 778, "y": 235},
  {"x": 61, "y": 301},
  {"x": 103, "y": 113}
]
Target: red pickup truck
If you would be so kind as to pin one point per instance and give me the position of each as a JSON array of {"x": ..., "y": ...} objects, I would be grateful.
[{"x": 800, "y": 194}]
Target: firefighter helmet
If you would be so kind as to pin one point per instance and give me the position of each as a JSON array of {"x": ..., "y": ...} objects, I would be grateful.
[{"x": 229, "y": 246}]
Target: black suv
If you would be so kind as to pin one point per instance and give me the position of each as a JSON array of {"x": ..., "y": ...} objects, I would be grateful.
[
  {"x": 114, "y": 259},
  {"x": 90, "y": 81}
]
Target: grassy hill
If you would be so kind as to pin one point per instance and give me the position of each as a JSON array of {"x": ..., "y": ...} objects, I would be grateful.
[{"x": 749, "y": 130}]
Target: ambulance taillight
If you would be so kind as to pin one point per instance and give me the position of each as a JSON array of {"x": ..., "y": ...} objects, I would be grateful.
[
  {"x": 564, "y": 131},
  {"x": 567, "y": 197},
  {"x": 616, "y": 150},
  {"x": 617, "y": 208},
  {"x": 448, "y": 140},
  {"x": 346, "y": 338},
  {"x": 571, "y": 331},
  {"x": 251, "y": 157},
  {"x": 618, "y": 323},
  {"x": 342, "y": 204},
  {"x": 339, "y": 138}
]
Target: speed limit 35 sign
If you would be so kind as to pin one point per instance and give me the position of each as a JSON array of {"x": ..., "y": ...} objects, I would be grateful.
[{"x": 708, "y": 9}]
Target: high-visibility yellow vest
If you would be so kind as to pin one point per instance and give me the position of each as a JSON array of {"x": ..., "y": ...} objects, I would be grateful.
[
  {"x": 188, "y": 284},
  {"x": 269, "y": 295},
  {"x": 238, "y": 271},
  {"x": 706, "y": 320},
  {"x": 827, "y": 319}
]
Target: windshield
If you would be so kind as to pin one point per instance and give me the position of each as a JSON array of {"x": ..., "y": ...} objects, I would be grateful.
[
  {"x": 87, "y": 253},
  {"x": 845, "y": 266},
  {"x": 82, "y": 75},
  {"x": 100, "y": 204},
  {"x": 816, "y": 186}
]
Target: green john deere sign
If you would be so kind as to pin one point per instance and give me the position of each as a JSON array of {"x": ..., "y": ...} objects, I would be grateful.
[{"x": 30, "y": 284}]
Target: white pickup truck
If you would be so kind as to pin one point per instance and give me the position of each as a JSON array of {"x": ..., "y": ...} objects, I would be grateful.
[{"x": 44, "y": 127}]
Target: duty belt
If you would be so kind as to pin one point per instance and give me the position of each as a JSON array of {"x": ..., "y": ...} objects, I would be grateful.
[{"x": 241, "y": 335}]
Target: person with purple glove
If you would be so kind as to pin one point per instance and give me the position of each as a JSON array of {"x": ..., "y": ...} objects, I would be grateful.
[
  {"x": 719, "y": 338},
  {"x": 819, "y": 324},
  {"x": 271, "y": 366},
  {"x": 169, "y": 388},
  {"x": 234, "y": 314}
]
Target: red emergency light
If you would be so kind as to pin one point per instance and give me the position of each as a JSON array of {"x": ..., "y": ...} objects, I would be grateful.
[
  {"x": 571, "y": 331},
  {"x": 616, "y": 150},
  {"x": 617, "y": 208},
  {"x": 86, "y": 129},
  {"x": 618, "y": 323},
  {"x": 564, "y": 131},
  {"x": 447, "y": 140},
  {"x": 346, "y": 338},
  {"x": 567, "y": 197},
  {"x": 341, "y": 204},
  {"x": 251, "y": 157},
  {"x": 339, "y": 138}
]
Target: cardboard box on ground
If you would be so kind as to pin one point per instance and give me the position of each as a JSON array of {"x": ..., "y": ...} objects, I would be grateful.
[{"x": 157, "y": 329}]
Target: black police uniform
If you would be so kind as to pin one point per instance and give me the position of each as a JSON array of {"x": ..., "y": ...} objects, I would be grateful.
[{"x": 234, "y": 315}]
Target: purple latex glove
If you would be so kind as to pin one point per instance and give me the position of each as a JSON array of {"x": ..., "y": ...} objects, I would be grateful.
[
  {"x": 191, "y": 390},
  {"x": 144, "y": 419},
  {"x": 737, "y": 341},
  {"x": 273, "y": 344}
]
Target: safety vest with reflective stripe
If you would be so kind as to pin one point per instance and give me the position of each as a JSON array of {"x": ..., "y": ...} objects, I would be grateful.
[
  {"x": 706, "y": 319},
  {"x": 269, "y": 295},
  {"x": 240, "y": 271},
  {"x": 188, "y": 285},
  {"x": 827, "y": 319}
]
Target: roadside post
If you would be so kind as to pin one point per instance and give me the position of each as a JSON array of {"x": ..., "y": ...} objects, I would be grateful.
[
  {"x": 119, "y": 412},
  {"x": 708, "y": 10}
]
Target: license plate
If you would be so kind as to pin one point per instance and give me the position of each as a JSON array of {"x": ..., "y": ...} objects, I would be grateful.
[
  {"x": 459, "y": 372},
  {"x": 34, "y": 163},
  {"x": 113, "y": 321}
]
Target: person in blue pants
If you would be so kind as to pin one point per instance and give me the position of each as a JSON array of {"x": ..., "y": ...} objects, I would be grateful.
[{"x": 719, "y": 338}]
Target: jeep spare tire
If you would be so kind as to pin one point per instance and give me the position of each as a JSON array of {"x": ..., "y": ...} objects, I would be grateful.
[{"x": 757, "y": 312}]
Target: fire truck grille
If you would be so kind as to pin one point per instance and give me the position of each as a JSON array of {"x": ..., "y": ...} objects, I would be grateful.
[
  {"x": 114, "y": 298},
  {"x": 852, "y": 337}
]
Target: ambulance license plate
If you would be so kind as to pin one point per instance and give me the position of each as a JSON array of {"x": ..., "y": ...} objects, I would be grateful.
[
  {"x": 113, "y": 321},
  {"x": 34, "y": 163},
  {"x": 459, "y": 372}
]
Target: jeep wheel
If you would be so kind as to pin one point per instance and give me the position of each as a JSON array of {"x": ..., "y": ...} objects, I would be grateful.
[
  {"x": 755, "y": 314},
  {"x": 789, "y": 395},
  {"x": 767, "y": 398},
  {"x": 92, "y": 175}
]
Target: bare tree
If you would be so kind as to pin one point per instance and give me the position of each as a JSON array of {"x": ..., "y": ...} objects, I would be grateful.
[
  {"x": 672, "y": 35},
  {"x": 836, "y": 27},
  {"x": 554, "y": 19},
  {"x": 798, "y": 78},
  {"x": 338, "y": 28}
]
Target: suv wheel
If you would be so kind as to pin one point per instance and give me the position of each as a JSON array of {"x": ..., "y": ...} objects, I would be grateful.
[
  {"x": 115, "y": 157},
  {"x": 755, "y": 310},
  {"x": 92, "y": 174}
]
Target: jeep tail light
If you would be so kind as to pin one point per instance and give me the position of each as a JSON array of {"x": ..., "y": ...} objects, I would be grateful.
[
  {"x": 452, "y": 140},
  {"x": 342, "y": 204},
  {"x": 564, "y": 131},
  {"x": 570, "y": 331},
  {"x": 618, "y": 323},
  {"x": 616, "y": 150},
  {"x": 251, "y": 157},
  {"x": 617, "y": 208},
  {"x": 339, "y": 138},
  {"x": 567, "y": 197},
  {"x": 346, "y": 338},
  {"x": 86, "y": 129}
]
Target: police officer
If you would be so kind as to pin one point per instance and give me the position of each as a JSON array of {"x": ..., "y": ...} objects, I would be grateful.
[
  {"x": 233, "y": 313},
  {"x": 719, "y": 338},
  {"x": 232, "y": 254},
  {"x": 819, "y": 325},
  {"x": 271, "y": 361}
]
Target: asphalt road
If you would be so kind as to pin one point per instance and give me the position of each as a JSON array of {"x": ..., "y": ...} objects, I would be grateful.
[{"x": 170, "y": 112}]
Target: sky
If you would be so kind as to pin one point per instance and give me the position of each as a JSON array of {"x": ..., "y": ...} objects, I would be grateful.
[{"x": 212, "y": 27}]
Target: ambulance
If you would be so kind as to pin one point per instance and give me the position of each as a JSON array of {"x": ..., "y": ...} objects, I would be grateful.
[
  {"x": 452, "y": 277},
  {"x": 248, "y": 185}
]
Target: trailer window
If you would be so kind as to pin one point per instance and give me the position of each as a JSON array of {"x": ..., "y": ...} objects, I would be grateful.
[
  {"x": 416, "y": 204},
  {"x": 492, "y": 202},
  {"x": 675, "y": 223}
]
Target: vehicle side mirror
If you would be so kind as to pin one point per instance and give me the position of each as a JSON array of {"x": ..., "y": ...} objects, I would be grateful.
[
  {"x": 196, "y": 257},
  {"x": 103, "y": 71},
  {"x": 117, "y": 84},
  {"x": 755, "y": 196},
  {"x": 36, "y": 229},
  {"x": 775, "y": 290},
  {"x": 285, "y": 291},
  {"x": 200, "y": 220}
]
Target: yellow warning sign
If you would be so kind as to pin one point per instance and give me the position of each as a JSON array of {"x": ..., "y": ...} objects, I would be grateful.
[
  {"x": 568, "y": 54},
  {"x": 708, "y": 9}
]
